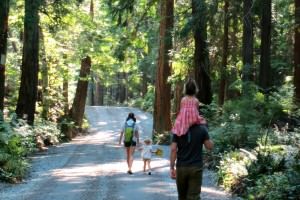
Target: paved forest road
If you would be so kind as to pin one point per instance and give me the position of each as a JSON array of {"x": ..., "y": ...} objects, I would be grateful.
[{"x": 92, "y": 167}]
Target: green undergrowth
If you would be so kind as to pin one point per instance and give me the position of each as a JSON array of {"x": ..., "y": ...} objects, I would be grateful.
[
  {"x": 257, "y": 145},
  {"x": 18, "y": 141}
]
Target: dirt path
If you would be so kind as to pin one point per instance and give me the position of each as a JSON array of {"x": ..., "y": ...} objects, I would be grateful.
[{"x": 92, "y": 167}]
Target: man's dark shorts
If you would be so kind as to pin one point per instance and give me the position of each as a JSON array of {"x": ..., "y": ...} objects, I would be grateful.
[{"x": 130, "y": 144}]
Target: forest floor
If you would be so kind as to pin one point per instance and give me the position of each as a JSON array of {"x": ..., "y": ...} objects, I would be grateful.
[{"x": 92, "y": 167}]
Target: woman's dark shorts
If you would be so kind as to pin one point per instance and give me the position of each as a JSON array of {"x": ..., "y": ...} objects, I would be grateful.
[{"x": 130, "y": 144}]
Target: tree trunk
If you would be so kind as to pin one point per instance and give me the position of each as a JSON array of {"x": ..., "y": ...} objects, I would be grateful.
[
  {"x": 247, "y": 42},
  {"x": 235, "y": 53},
  {"x": 144, "y": 87},
  {"x": 223, "y": 81},
  {"x": 201, "y": 56},
  {"x": 66, "y": 93},
  {"x": 297, "y": 52},
  {"x": 101, "y": 94},
  {"x": 4, "y": 10},
  {"x": 92, "y": 10},
  {"x": 78, "y": 106},
  {"x": 162, "y": 104},
  {"x": 30, "y": 63},
  {"x": 44, "y": 75},
  {"x": 91, "y": 90},
  {"x": 97, "y": 92},
  {"x": 177, "y": 97},
  {"x": 265, "y": 48}
]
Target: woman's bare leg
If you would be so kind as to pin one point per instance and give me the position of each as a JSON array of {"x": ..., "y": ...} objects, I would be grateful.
[{"x": 130, "y": 157}]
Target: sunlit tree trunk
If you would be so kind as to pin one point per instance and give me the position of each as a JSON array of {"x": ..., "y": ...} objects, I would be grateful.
[
  {"x": 201, "y": 54},
  {"x": 44, "y": 76},
  {"x": 4, "y": 10},
  {"x": 91, "y": 90},
  {"x": 101, "y": 94},
  {"x": 247, "y": 41},
  {"x": 144, "y": 87},
  {"x": 265, "y": 72},
  {"x": 92, "y": 10},
  {"x": 162, "y": 104},
  {"x": 97, "y": 93},
  {"x": 177, "y": 97},
  {"x": 123, "y": 87},
  {"x": 66, "y": 93},
  {"x": 30, "y": 63},
  {"x": 297, "y": 52},
  {"x": 78, "y": 106},
  {"x": 223, "y": 81}
]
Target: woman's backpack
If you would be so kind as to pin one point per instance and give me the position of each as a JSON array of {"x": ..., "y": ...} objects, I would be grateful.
[{"x": 129, "y": 131}]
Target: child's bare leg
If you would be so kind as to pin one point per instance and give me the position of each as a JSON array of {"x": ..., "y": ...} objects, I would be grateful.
[
  {"x": 145, "y": 165},
  {"x": 149, "y": 166}
]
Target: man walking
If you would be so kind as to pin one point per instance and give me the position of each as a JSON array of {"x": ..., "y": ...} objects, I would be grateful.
[{"x": 186, "y": 150}]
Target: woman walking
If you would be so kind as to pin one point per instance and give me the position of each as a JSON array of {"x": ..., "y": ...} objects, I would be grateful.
[{"x": 130, "y": 134}]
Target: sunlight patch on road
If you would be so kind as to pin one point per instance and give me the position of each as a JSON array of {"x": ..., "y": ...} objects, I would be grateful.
[
  {"x": 212, "y": 191},
  {"x": 80, "y": 173},
  {"x": 142, "y": 117},
  {"x": 102, "y": 123}
]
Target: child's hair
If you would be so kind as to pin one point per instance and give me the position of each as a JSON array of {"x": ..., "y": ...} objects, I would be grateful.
[
  {"x": 147, "y": 141},
  {"x": 190, "y": 87}
]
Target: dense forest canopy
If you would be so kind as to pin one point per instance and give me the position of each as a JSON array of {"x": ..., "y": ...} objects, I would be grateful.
[{"x": 244, "y": 56}]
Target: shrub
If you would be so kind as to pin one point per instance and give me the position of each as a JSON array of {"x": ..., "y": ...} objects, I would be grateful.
[
  {"x": 269, "y": 187},
  {"x": 17, "y": 140},
  {"x": 233, "y": 170}
]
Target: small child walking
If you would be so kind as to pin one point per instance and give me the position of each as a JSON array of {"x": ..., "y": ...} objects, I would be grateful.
[
  {"x": 189, "y": 113},
  {"x": 147, "y": 154}
]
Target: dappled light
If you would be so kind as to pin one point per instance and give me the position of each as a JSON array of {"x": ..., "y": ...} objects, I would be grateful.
[{"x": 93, "y": 166}]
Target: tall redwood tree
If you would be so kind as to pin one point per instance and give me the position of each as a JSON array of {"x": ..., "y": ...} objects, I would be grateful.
[
  {"x": 223, "y": 81},
  {"x": 162, "y": 107},
  {"x": 4, "y": 10},
  {"x": 265, "y": 74},
  {"x": 201, "y": 54},
  {"x": 247, "y": 41},
  {"x": 30, "y": 63}
]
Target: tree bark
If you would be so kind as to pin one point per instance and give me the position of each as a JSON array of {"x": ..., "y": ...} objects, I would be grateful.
[
  {"x": 66, "y": 93},
  {"x": 201, "y": 56},
  {"x": 235, "y": 53},
  {"x": 223, "y": 81},
  {"x": 144, "y": 86},
  {"x": 97, "y": 95},
  {"x": 44, "y": 75},
  {"x": 297, "y": 52},
  {"x": 92, "y": 10},
  {"x": 177, "y": 97},
  {"x": 162, "y": 104},
  {"x": 265, "y": 48},
  {"x": 30, "y": 63},
  {"x": 247, "y": 42},
  {"x": 4, "y": 11},
  {"x": 78, "y": 106}
]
